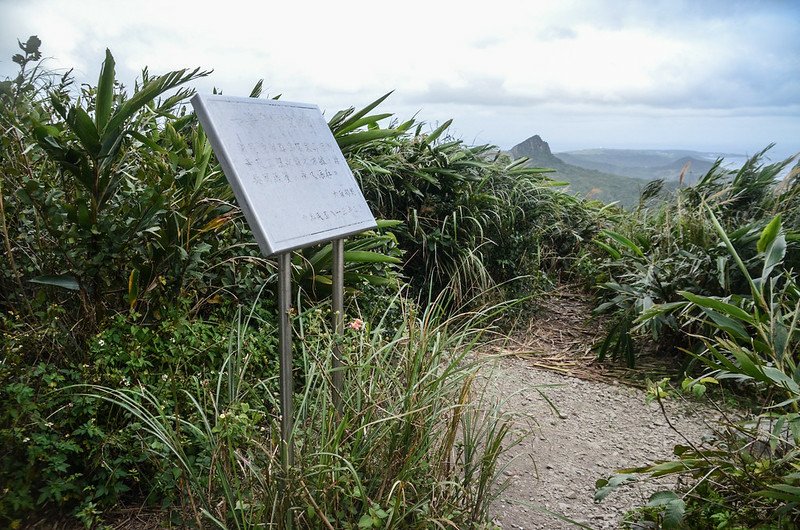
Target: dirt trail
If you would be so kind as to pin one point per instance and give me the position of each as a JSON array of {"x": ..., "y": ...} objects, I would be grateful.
[{"x": 582, "y": 431}]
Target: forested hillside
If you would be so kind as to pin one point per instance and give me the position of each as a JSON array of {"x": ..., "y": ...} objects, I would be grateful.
[
  {"x": 592, "y": 181},
  {"x": 666, "y": 164}
]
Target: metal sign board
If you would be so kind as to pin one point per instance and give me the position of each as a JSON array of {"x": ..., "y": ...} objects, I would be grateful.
[{"x": 286, "y": 170}]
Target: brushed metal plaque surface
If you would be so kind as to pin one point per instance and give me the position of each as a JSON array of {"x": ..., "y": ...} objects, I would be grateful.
[{"x": 286, "y": 170}]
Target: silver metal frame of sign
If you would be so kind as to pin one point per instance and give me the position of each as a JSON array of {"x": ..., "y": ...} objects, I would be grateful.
[{"x": 295, "y": 189}]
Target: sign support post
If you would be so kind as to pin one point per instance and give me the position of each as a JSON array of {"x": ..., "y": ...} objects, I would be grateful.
[
  {"x": 337, "y": 306},
  {"x": 285, "y": 351},
  {"x": 285, "y": 347}
]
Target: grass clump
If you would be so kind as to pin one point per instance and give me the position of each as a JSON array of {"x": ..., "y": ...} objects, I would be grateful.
[{"x": 413, "y": 447}]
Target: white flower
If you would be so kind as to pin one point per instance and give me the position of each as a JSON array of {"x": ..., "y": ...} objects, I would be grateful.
[
  {"x": 164, "y": 377},
  {"x": 101, "y": 343}
]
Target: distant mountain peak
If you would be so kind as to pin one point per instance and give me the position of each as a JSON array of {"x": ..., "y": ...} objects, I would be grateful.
[
  {"x": 536, "y": 149},
  {"x": 595, "y": 183}
]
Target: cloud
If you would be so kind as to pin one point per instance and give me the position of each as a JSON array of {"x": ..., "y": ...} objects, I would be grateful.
[
  {"x": 498, "y": 62},
  {"x": 483, "y": 91},
  {"x": 557, "y": 33}
]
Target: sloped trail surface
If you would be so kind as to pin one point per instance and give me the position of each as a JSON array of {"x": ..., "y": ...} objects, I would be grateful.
[{"x": 582, "y": 424}]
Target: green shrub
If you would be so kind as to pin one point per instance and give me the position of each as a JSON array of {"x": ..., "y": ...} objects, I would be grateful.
[
  {"x": 128, "y": 260},
  {"x": 651, "y": 256},
  {"x": 472, "y": 218},
  {"x": 66, "y": 450},
  {"x": 412, "y": 448},
  {"x": 749, "y": 475}
]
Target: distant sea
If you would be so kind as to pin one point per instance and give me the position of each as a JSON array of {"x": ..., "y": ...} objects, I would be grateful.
[{"x": 735, "y": 161}]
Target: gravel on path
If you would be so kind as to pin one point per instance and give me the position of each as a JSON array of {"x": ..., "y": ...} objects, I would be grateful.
[
  {"x": 580, "y": 429},
  {"x": 595, "y": 429}
]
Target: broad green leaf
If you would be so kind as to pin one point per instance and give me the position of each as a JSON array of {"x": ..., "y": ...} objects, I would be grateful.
[
  {"x": 64, "y": 281},
  {"x": 722, "y": 272},
  {"x": 133, "y": 287},
  {"x": 148, "y": 142},
  {"x": 667, "y": 468},
  {"x": 718, "y": 305},
  {"x": 323, "y": 280},
  {"x": 660, "y": 498},
  {"x": 774, "y": 255},
  {"x": 614, "y": 253},
  {"x": 733, "y": 327},
  {"x": 151, "y": 90},
  {"x": 746, "y": 364},
  {"x": 432, "y": 137},
  {"x": 364, "y": 137},
  {"x": 781, "y": 379},
  {"x": 388, "y": 223},
  {"x": 319, "y": 260},
  {"x": 428, "y": 178},
  {"x": 718, "y": 359},
  {"x": 256, "y": 92},
  {"x": 105, "y": 92},
  {"x": 658, "y": 310},
  {"x": 624, "y": 241},
  {"x": 84, "y": 128},
  {"x": 604, "y": 487},
  {"x": 361, "y": 256},
  {"x": 42, "y": 131},
  {"x": 371, "y": 120},
  {"x": 781, "y": 491},
  {"x": 355, "y": 278},
  {"x": 769, "y": 234},
  {"x": 347, "y": 125},
  {"x": 673, "y": 514}
]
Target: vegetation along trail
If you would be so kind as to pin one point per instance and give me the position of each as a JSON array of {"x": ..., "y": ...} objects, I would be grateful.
[
  {"x": 139, "y": 352},
  {"x": 580, "y": 430}
]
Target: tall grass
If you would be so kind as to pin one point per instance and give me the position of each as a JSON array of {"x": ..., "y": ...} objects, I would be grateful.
[{"x": 414, "y": 448}]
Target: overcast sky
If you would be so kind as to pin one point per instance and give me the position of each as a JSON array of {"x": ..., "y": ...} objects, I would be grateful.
[{"x": 714, "y": 76}]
